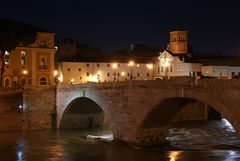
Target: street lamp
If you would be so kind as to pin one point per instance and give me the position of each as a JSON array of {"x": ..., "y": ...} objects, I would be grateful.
[
  {"x": 25, "y": 73},
  {"x": 123, "y": 74},
  {"x": 98, "y": 76},
  {"x": 150, "y": 67},
  {"x": 114, "y": 66},
  {"x": 131, "y": 63}
]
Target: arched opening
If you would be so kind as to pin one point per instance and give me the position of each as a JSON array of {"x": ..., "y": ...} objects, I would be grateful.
[
  {"x": 43, "y": 81},
  {"x": 185, "y": 132},
  {"x": 82, "y": 113}
]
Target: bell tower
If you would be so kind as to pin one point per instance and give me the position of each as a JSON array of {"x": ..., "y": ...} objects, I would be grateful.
[{"x": 178, "y": 43}]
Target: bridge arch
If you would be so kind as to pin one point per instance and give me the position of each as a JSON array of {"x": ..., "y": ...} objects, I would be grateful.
[
  {"x": 82, "y": 113},
  {"x": 156, "y": 121}
]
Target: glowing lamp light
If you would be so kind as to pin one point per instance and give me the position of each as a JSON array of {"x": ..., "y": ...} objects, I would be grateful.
[
  {"x": 6, "y": 53},
  {"x": 60, "y": 78},
  {"x": 114, "y": 65},
  {"x": 55, "y": 73},
  {"x": 149, "y": 66},
  {"x": 123, "y": 73},
  {"x": 98, "y": 73},
  {"x": 72, "y": 80},
  {"x": 25, "y": 72},
  {"x": 131, "y": 63}
]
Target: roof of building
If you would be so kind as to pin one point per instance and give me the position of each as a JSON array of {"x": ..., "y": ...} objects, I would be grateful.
[{"x": 216, "y": 61}]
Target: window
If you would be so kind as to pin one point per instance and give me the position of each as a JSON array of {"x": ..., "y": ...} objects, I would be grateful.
[
  {"x": 128, "y": 74},
  {"x": 43, "y": 63},
  {"x": 79, "y": 69},
  {"x": 98, "y": 65},
  {"x": 108, "y": 65},
  {"x": 161, "y": 69},
  {"x": 80, "y": 78},
  {"x": 43, "y": 81},
  {"x": 68, "y": 69},
  {"x": 7, "y": 60},
  {"x": 87, "y": 65},
  {"x": 7, "y": 83},
  {"x": 42, "y": 44},
  {"x": 118, "y": 74},
  {"x": 147, "y": 74},
  {"x": 138, "y": 74},
  {"x": 87, "y": 74},
  {"x": 23, "y": 57},
  {"x": 158, "y": 69},
  {"x": 170, "y": 68},
  {"x": 108, "y": 74},
  {"x": 118, "y": 65},
  {"x": 233, "y": 73}
]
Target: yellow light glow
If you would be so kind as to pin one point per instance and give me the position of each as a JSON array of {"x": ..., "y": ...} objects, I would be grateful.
[
  {"x": 114, "y": 65},
  {"x": 55, "y": 73},
  {"x": 6, "y": 53},
  {"x": 131, "y": 63},
  {"x": 25, "y": 72},
  {"x": 92, "y": 78},
  {"x": 174, "y": 155},
  {"x": 123, "y": 73},
  {"x": 149, "y": 66},
  {"x": 60, "y": 78},
  {"x": 99, "y": 73},
  {"x": 138, "y": 65},
  {"x": 72, "y": 80}
]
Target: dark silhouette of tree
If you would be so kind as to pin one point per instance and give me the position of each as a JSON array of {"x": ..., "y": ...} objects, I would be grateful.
[{"x": 13, "y": 34}]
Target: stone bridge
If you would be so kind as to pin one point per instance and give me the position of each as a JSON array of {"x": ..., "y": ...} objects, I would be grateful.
[{"x": 141, "y": 112}]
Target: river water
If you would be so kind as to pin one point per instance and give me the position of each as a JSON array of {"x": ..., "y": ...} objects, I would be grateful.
[{"x": 188, "y": 141}]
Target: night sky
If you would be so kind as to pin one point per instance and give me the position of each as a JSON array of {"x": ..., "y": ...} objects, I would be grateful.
[{"x": 213, "y": 25}]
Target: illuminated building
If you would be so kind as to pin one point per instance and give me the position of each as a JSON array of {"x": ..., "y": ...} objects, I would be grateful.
[{"x": 31, "y": 65}]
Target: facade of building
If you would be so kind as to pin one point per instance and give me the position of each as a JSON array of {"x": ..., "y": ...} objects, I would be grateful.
[
  {"x": 178, "y": 43},
  {"x": 83, "y": 72},
  {"x": 171, "y": 62},
  {"x": 170, "y": 65},
  {"x": 221, "y": 71},
  {"x": 31, "y": 65}
]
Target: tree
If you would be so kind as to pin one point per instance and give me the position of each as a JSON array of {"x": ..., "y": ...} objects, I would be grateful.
[{"x": 13, "y": 34}]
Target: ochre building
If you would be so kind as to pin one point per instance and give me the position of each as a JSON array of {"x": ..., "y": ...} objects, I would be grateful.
[{"x": 31, "y": 65}]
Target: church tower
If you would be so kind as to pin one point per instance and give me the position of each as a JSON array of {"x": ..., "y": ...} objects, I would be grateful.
[{"x": 178, "y": 42}]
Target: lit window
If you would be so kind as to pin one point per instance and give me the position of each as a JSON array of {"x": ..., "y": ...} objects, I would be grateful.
[
  {"x": 7, "y": 60},
  {"x": 42, "y": 44},
  {"x": 23, "y": 57},
  {"x": 43, "y": 63}
]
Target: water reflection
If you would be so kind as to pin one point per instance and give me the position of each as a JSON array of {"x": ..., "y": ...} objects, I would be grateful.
[
  {"x": 22, "y": 146},
  {"x": 174, "y": 155},
  {"x": 198, "y": 142}
]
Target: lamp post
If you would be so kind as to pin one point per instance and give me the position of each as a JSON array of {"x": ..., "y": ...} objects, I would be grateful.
[
  {"x": 25, "y": 73},
  {"x": 98, "y": 76},
  {"x": 150, "y": 67},
  {"x": 131, "y": 63},
  {"x": 114, "y": 66}
]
